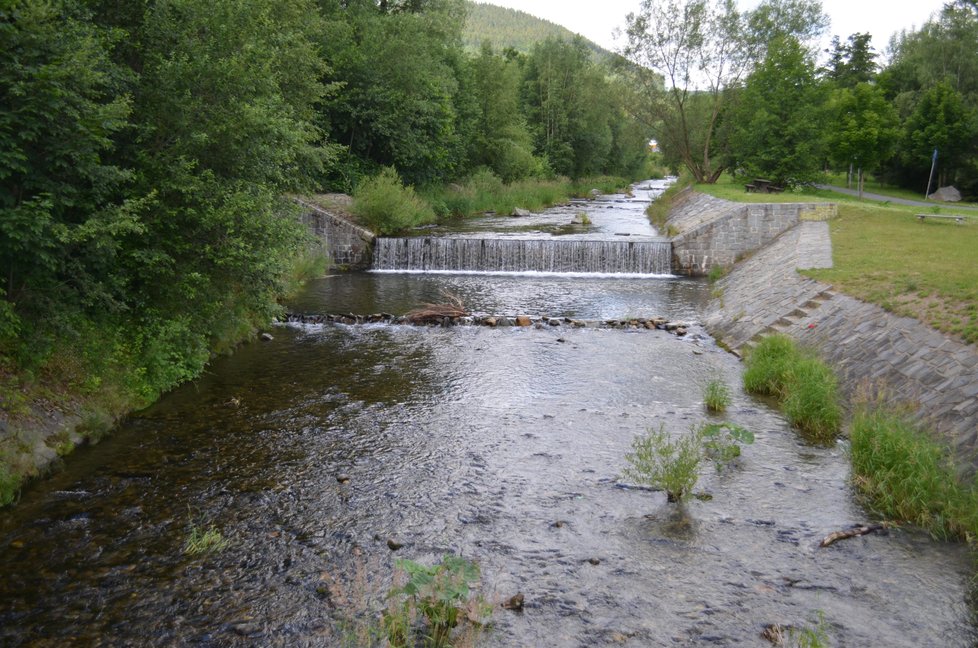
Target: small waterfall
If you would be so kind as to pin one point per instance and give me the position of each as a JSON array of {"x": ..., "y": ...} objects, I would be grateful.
[{"x": 522, "y": 255}]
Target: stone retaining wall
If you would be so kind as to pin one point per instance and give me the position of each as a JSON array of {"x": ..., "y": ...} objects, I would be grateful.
[
  {"x": 911, "y": 362},
  {"x": 349, "y": 246},
  {"x": 710, "y": 232}
]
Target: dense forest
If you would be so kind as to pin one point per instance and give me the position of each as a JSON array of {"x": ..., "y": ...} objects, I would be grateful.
[
  {"x": 148, "y": 149},
  {"x": 510, "y": 28},
  {"x": 750, "y": 93}
]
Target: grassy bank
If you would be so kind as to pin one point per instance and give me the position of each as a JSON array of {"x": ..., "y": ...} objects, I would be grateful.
[
  {"x": 884, "y": 255},
  {"x": 804, "y": 386},
  {"x": 72, "y": 384},
  {"x": 905, "y": 476},
  {"x": 902, "y": 473}
]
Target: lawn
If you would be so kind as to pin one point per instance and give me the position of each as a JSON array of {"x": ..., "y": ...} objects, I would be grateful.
[{"x": 883, "y": 254}]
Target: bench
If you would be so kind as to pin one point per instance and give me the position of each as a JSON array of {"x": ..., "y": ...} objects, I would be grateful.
[
  {"x": 759, "y": 185},
  {"x": 958, "y": 218}
]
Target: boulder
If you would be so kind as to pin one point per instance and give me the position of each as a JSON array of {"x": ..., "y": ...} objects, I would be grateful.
[
  {"x": 594, "y": 193},
  {"x": 523, "y": 320},
  {"x": 581, "y": 218},
  {"x": 519, "y": 211},
  {"x": 946, "y": 194}
]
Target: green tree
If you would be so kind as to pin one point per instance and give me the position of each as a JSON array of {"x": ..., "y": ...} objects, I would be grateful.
[
  {"x": 399, "y": 73},
  {"x": 863, "y": 129},
  {"x": 224, "y": 110},
  {"x": 940, "y": 121},
  {"x": 61, "y": 212},
  {"x": 776, "y": 124},
  {"x": 501, "y": 139},
  {"x": 853, "y": 62},
  {"x": 700, "y": 49}
]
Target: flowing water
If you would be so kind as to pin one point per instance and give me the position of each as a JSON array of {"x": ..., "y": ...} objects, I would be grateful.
[{"x": 503, "y": 445}]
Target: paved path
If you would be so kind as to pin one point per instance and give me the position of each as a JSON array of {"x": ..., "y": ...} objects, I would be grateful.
[{"x": 895, "y": 201}]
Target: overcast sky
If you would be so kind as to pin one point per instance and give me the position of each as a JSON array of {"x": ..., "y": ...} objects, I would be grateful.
[{"x": 597, "y": 19}]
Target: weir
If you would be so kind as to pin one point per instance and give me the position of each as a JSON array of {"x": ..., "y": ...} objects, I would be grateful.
[{"x": 523, "y": 255}]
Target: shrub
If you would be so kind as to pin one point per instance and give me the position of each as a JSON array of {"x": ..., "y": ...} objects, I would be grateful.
[
  {"x": 441, "y": 594},
  {"x": 658, "y": 461},
  {"x": 716, "y": 273},
  {"x": 811, "y": 400},
  {"x": 716, "y": 395},
  {"x": 905, "y": 475},
  {"x": 768, "y": 364},
  {"x": 385, "y": 205}
]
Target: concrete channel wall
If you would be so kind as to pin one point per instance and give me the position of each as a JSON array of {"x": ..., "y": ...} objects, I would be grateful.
[
  {"x": 710, "y": 232},
  {"x": 911, "y": 363},
  {"x": 348, "y": 245}
]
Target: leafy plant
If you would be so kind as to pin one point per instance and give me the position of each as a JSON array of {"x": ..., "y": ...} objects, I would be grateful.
[
  {"x": 722, "y": 441},
  {"x": 716, "y": 395},
  {"x": 441, "y": 594},
  {"x": 660, "y": 462},
  {"x": 9, "y": 484}
]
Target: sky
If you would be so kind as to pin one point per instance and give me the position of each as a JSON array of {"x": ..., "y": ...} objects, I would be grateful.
[{"x": 598, "y": 19}]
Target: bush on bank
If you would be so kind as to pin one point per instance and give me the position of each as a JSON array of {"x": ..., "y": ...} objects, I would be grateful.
[
  {"x": 805, "y": 387},
  {"x": 906, "y": 476}
]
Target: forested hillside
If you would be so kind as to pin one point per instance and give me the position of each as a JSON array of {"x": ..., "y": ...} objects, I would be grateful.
[{"x": 519, "y": 30}]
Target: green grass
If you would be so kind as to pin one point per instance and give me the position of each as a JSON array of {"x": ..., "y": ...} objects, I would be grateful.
[
  {"x": 926, "y": 270},
  {"x": 906, "y": 476},
  {"x": 884, "y": 255},
  {"x": 201, "y": 541},
  {"x": 716, "y": 395},
  {"x": 805, "y": 387},
  {"x": 9, "y": 486},
  {"x": 660, "y": 462}
]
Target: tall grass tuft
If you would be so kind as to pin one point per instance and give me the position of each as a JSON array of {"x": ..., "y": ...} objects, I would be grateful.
[
  {"x": 805, "y": 386},
  {"x": 386, "y": 206},
  {"x": 811, "y": 400},
  {"x": 768, "y": 364},
  {"x": 906, "y": 476},
  {"x": 716, "y": 395}
]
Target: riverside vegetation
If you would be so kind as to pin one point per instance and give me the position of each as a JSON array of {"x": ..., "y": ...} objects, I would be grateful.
[{"x": 903, "y": 473}]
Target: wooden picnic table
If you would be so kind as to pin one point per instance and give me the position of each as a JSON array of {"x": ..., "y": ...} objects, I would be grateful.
[{"x": 760, "y": 185}]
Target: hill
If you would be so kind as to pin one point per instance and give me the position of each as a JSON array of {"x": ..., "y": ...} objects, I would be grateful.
[{"x": 517, "y": 29}]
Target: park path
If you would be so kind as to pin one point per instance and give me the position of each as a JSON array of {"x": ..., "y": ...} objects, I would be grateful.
[{"x": 896, "y": 201}]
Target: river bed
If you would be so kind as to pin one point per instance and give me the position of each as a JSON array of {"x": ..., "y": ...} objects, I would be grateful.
[{"x": 502, "y": 445}]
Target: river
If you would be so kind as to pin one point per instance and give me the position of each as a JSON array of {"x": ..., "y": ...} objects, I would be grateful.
[{"x": 503, "y": 445}]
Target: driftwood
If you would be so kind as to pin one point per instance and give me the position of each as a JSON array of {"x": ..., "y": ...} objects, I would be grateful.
[
  {"x": 854, "y": 532},
  {"x": 426, "y": 313}
]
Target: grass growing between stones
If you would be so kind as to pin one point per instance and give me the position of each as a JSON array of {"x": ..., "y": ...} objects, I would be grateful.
[
  {"x": 805, "y": 387},
  {"x": 906, "y": 476}
]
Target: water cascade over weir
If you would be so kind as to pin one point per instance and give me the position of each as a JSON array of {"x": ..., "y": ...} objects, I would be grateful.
[{"x": 427, "y": 254}]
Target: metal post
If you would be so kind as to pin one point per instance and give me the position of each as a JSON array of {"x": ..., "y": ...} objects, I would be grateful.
[{"x": 933, "y": 165}]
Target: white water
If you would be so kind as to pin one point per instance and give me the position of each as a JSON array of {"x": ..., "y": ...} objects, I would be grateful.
[{"x": 523, "y": 255}]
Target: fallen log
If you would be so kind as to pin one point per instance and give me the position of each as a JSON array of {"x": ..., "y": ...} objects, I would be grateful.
[{"x": 856, "y": 531}]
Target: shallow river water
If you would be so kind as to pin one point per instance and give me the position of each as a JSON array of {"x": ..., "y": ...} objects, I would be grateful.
[{"x": 504, "y": 446}]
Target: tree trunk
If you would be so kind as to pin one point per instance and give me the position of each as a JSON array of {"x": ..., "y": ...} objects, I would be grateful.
[{"x": 859, "y": 181}]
